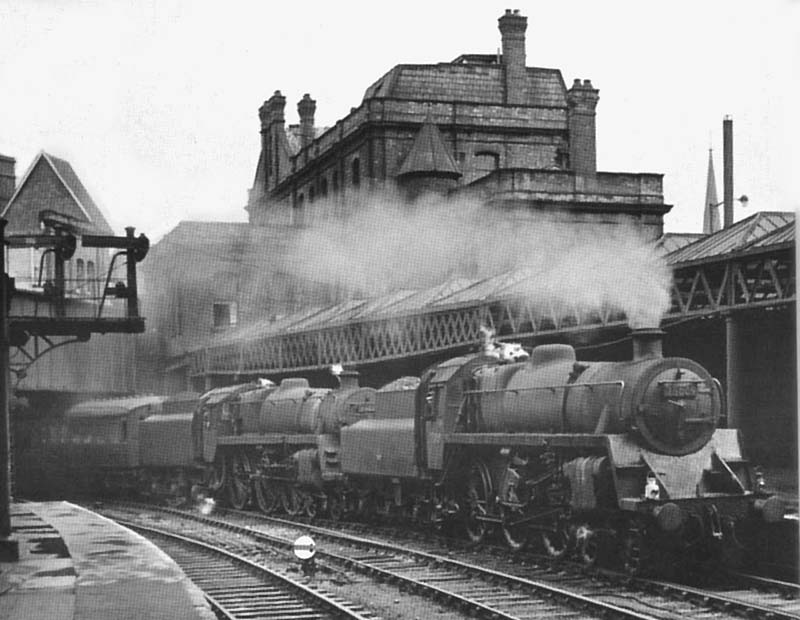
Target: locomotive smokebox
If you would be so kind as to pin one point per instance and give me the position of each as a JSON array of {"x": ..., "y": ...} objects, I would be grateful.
[
  {"x": 348, "y": 379},
  {"x": 647, "y": 343}
]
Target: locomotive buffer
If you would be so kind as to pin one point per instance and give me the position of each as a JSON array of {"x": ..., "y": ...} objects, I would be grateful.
[{"x": 17, "y": 330}]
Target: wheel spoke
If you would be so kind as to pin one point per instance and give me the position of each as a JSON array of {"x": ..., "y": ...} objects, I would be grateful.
[{"x": 478, "y": 493}]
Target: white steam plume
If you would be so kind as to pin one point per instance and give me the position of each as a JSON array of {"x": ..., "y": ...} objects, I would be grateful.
[{"x": 383, "y": 244}]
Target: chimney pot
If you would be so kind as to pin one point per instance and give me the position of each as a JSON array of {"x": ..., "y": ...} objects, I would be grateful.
[{"x": 306, "y": 108}]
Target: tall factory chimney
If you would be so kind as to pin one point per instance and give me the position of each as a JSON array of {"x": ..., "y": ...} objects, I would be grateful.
[
  {"x": 727, "y": 171},
  {"x": 306, "y": 108},
  {"x": 512, "y": 31}
]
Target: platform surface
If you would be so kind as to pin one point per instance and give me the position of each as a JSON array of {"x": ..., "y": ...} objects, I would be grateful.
[{"x": 77, "y": 565}]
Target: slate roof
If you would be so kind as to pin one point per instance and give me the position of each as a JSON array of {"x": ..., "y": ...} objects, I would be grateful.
[
  {"x": 87, "y": 216},
  {"x": 477, "y": 83},
  {"x": 747, "y": 233},
  {"x": 669, "y": 242},
  {"x": 429, "y": 155}
]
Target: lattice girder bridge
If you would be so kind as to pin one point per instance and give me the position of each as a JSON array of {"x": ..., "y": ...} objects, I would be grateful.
[{"x": 757, "y": 278}]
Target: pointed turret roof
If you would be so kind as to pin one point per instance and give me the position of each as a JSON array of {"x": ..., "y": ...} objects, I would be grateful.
[
  {"x": 429, "y": 155},
  {"x": 60, "y": 191},
  {"x": 711, "y": 222}
]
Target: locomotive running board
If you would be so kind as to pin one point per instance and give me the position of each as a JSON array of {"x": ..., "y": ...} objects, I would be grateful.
[
  {"x": 254, "y": 439},
  {"x": 561, "y": 440}
]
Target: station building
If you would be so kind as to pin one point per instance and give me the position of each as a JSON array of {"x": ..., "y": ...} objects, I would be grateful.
[
  {"x": 482, "y": 123},
  {"x": 482, "y": 127}
]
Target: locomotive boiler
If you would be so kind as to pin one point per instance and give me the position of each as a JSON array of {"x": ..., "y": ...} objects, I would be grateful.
[
  {"x": 582, "y": 456},
  {"x": 280, "y": 443}
]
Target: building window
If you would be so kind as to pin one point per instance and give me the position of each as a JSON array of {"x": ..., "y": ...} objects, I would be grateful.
[
  {"x": 90, "y": 279},
  {"x": 79, "y": 274},
  {"x": 297, "y": 212},
  {"x": 225, "y": 314},
  {"x": 335, "y": 179},
  {"x": 356, "y": 172},
  {"x": 311, "y": 194},
  {"x": 486, "y": 162},
  {"x": 323, "y": 187}
]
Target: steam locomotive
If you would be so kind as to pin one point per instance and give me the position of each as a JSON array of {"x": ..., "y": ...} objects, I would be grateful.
[{"x": 598, "y": 459}]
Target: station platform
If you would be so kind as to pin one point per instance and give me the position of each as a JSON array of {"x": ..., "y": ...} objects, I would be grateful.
[{"x": 77, "y": 565}]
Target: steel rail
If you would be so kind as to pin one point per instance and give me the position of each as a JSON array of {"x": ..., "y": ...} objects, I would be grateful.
[
  {"x": 546, "y": 593},
  {"x": 321, "y": 603}
]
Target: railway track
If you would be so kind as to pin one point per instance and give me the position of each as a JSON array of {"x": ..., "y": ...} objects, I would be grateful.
[
  {"x": 513, "y": 589},
  {"x": 236, "y": 587},
  {"x": 469, "y": 589}
]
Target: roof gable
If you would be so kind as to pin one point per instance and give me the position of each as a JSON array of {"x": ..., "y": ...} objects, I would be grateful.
[{"x": 50, "y": 184}]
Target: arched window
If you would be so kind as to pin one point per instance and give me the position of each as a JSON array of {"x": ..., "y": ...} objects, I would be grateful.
[
  {"x": 356, "y": 172},
  {"x": 79, "y": 275}
]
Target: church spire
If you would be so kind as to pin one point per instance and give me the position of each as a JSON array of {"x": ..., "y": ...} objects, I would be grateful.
[{"x": 711, "y": 223}]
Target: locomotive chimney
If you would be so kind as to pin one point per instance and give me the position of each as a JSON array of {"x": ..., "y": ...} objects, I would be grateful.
[
  {"x": 647, "y": 343},
  {"x": 348, "y": 379}
]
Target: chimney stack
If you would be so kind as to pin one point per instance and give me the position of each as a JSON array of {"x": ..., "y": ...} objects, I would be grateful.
[
  {"x": 512, "y": 31},
  {"x": 727, "y": 171},
  {"x": 582, "y": 100},
  {"x": 306, "y": 108}
]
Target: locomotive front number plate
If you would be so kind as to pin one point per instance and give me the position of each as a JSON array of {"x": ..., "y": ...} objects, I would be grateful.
[{"x": 678, "y": 389}]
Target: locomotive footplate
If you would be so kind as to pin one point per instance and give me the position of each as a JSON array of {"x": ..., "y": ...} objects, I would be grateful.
[
  {"x": 255, "y": 439},
  {"x": 556, "y": 440}
]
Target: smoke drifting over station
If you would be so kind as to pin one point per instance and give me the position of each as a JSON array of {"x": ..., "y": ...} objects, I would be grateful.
[{"x": 383, "y": 244}]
